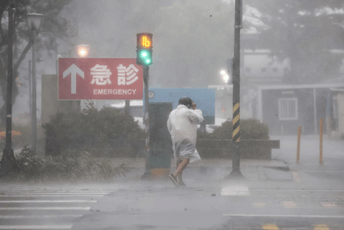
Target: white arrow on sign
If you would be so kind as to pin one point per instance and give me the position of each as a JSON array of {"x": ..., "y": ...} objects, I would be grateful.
[{"x": 73, "y": 70}]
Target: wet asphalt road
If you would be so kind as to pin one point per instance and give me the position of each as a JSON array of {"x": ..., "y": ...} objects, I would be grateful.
[
  {"x": 158, "y": 205},
  {"x": 307, "y": 195}
]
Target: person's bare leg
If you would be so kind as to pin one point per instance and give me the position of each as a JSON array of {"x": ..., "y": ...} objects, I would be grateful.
[
  {"x": 181, "y": 166},
  {"x": 180, "y": 176}
]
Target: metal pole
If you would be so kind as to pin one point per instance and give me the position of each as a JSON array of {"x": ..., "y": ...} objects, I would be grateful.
[
  {"x": 30, "y": 89},
  {"x": 298, "y": 144},
  {"x": 127, "y": 107},
  {"x": 236, "y": 94},
  {"x": 321, "y": 142},
  {"x": 328, "y": 115},
  {"x": 147, "y": 174},
  {"x": 315, "y": 112},
  {"x": 33, "y": 107},
  {"x": 8, "y": 160}
]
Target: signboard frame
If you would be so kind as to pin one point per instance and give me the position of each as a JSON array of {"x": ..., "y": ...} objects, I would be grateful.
[{"x": 99, "y": 79}]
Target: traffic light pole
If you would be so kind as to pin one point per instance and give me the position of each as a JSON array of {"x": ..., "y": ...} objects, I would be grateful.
[
  {"x": 147, "y": 174},
  {"x": 236, "y": 174},
  {"x": 8, "y": 160}
]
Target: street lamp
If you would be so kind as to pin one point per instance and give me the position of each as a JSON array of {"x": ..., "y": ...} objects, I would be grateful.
[
  {"x": 34, "y": 23},
  {"x": 225, "y": 76},
  {"x": 8, "y": 160},
  {"x": 83, "y": 51}
]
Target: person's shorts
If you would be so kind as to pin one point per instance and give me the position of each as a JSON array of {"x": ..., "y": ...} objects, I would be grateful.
[{"x": 184, "y": 150}]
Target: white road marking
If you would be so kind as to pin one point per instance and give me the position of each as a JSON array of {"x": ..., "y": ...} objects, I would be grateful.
[
  {"x": 36, "y": 226},
  {"x": 289, "y": 204},
  {"x": 235, "y": 191},
  {"x": 44, "y": 208},
  {"x": 296, "y": 176},
  {"x": 53, "y": 194},
  {"x": 278, "y": 216},
  {"x": 40, "y": 217},
  {"x": 295, "y": 190},
  {"x": 46, "y": 201}
]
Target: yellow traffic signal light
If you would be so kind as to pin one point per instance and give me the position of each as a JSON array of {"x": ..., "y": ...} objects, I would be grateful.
[{"x": 144, "y": 49}]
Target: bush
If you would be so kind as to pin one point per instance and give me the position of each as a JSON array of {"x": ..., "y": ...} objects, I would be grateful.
[
  {"x": 70, "y": 166},
  {"x": 20, "y": 136},
  {"x": 218, "y": 144},
  {"x": 107, "y": 132},
  {"x": 250, "y": 129}
]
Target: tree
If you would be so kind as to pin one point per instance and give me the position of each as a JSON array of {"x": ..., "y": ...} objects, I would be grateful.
[
  {"x": 305, "y": 32},
  {"x": 52, "y": 27}
]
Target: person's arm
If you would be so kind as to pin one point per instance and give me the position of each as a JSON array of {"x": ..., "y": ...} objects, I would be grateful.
[
  {"x": 169, "y": 125},
  {"x": 195, "y": 115}
]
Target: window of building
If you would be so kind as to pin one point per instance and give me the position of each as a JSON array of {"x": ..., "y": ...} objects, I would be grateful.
[
  {"x": 263, "y": 70},
  {"x": 287, "y": 108},
  {"x": 248, "y": 70},
  {"x": 275, "y": 70}
]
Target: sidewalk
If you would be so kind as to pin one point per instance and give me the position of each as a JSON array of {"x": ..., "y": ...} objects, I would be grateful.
[{"x": 282, "y": 167}]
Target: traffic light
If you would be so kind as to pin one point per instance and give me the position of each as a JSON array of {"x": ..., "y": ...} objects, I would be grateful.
[{"x": 144, "y": 49}]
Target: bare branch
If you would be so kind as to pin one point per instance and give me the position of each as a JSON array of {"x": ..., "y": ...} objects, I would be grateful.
[
  {"x": 1, "y": 30},
  {"x": 22, "y": 56}
]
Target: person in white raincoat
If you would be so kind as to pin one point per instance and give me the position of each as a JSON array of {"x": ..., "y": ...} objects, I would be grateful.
[{"x": 182, "y": 125}]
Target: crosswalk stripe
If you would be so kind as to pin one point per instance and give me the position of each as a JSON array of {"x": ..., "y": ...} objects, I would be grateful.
[
  {"x": 55, "y": 193},
  {"x": 39, "y": 217},
  {"x": 235, "y": 191},
  {"x": 298, "y": 190},
  {"x": 36, "y": 226},
  {"x": 321, "y": 227},
  {"x": 51, "y": 195},
  {"x": 284, "y": 216},
  {"x": 270, "y": 227},
  {"x": 44, "y": 208},
  {"x": 46, "y": 201}
]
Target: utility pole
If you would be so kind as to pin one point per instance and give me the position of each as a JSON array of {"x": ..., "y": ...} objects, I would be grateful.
[
  {"x": 34, "y": 24},
  {"x": 236, "y": 174},
  {"x": 34, "y": 96},
  {"x": 8, "y": 160}
]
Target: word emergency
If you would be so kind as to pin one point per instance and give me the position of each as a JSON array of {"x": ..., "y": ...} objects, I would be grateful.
[{"x": 114, "y": 91}]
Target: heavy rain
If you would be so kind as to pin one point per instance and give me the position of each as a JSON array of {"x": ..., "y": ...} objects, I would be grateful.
[{"x": 172, "y": 114}]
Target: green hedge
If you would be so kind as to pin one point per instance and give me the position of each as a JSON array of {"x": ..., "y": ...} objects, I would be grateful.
[
  {"x": 250, "y": 129},
  {"x": 107, "y": 132},
  {"x": 218, "y": 143}
]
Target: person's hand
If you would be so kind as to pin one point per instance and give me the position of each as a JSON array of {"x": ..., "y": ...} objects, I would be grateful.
[{"x": 193, "y": 106}]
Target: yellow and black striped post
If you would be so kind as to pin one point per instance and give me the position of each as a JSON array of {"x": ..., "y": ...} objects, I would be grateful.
[
  {"x": 236, "y": 123},
  {"x": 236, "y": 93}
]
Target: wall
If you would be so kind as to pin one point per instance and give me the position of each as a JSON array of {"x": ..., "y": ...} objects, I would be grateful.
[
  {"x": 340, "y": 100},
  {"x": 311, "y": 107}
]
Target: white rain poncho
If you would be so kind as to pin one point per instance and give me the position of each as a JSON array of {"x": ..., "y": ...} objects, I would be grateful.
[{"x": 182, "y": 125}]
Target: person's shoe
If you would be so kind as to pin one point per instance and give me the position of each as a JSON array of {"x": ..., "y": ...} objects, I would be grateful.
[
  {"x": 173, "y": 179},
  {"x": 181, "y": 183}
]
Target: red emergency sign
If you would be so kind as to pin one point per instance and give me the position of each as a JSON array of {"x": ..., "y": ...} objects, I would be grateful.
[{"x": 100, "y": 78}]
